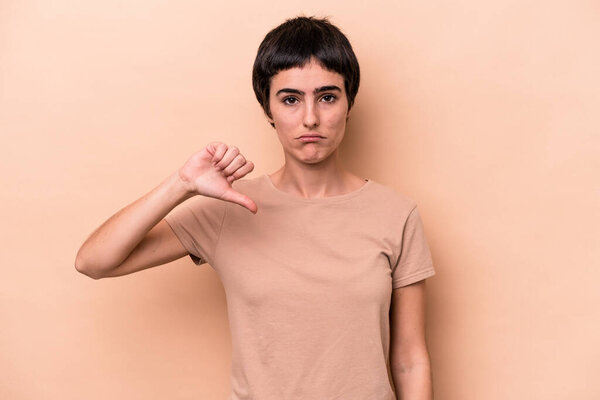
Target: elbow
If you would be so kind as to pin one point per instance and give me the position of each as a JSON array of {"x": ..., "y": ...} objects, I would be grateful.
[
  {"x": 405, "y": 367},
  {"x": 82, "y": 267},
  {"x": 416, "y": 357},
  {"x": 411, "y": 366}
]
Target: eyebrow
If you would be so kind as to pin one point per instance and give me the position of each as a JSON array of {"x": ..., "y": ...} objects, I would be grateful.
[{"x": 316, "y": 91}]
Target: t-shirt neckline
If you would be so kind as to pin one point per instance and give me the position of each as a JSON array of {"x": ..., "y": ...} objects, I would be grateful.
[{"x": 327, "y": 199}]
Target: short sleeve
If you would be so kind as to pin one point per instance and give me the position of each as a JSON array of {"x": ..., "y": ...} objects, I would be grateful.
[
  {"x": 415, "y": 262},
  {"x": 197, "y": 223}
]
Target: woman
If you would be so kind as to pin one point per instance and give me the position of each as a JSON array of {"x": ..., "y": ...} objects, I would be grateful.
[{"x": 324, "y": 271}]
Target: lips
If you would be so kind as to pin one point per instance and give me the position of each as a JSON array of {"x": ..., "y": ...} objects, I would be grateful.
[
  {"x": 310, "y": 138},
  {"x": 314, "y": 136}
]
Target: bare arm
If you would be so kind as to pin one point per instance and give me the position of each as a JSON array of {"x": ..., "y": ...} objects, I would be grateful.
[
  {"x": 113, "y": 242},
  {"x": 137, "y": 237},
  {"x": 409, "y": 358}
]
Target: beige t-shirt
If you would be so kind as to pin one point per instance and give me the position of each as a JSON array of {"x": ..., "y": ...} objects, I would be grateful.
[{"x": 308, "y": 284}]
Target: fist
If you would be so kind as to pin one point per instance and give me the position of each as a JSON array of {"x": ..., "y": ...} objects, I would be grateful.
[{"x": 211, "y": 171}]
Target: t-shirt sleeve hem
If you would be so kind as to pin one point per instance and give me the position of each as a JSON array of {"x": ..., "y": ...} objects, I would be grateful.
[
  {"x": 413, "y": 278},
  {"x": 185, "y": 240}
]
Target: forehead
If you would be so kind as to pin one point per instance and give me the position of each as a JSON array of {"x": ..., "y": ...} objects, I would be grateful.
[{"x": 310, "y": 76}]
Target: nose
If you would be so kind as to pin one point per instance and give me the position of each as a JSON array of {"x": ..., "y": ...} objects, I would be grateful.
[{"x": 311, "y": 116}]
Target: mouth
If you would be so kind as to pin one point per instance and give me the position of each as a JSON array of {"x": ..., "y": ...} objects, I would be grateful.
[{"x": 310, "y": 138}]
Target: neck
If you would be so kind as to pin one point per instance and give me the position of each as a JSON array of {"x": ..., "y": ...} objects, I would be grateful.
[{"x": 324, "y": 179}]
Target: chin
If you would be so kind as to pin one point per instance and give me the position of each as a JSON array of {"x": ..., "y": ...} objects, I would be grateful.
[
  {"x": 312, "y": 161},
  {"x": 314, "y": 158}
]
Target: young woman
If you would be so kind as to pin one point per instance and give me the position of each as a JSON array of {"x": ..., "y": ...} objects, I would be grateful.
[{"x": 324, "y": 271}]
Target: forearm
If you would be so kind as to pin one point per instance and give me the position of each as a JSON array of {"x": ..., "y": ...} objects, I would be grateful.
[
  {"x": 110, "y": 244},
  {"x": 413, "y": 381}
]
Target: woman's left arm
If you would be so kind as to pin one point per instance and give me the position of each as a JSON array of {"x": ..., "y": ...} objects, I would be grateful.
[{"x": 409, "y": 359}]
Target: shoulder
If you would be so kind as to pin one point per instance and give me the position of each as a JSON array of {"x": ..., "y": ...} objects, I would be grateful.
[{"x": 390, "y": 198}]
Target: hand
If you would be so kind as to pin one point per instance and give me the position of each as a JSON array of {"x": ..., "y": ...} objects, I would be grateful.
[{"x": 211, "y": 171}]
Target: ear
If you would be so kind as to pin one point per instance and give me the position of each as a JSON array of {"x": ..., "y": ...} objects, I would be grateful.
[{"x": 269, "y": 119}]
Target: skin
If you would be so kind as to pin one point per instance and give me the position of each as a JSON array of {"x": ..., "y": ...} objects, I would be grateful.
[{"x": 410, "y": 364}]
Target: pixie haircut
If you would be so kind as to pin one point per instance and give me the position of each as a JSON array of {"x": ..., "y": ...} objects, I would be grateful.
[{"x": 292, "y": 44}]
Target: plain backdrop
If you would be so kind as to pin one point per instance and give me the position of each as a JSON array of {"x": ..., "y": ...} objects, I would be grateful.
[{"x": 485, "y": 113}]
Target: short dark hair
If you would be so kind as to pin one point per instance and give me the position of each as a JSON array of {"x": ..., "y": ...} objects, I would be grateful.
[{"x": 293, "y": 43}]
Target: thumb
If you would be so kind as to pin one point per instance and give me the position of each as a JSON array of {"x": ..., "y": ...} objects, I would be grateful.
[{"x": 238, "y": 198}]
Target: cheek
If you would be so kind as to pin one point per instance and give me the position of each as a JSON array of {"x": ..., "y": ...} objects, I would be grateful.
[
  {"x": 285, "y": 127},
  {"x": 284, "y": 124},
  {"x": 286, "y": 120},
  {"x": 337, "y": 121}
]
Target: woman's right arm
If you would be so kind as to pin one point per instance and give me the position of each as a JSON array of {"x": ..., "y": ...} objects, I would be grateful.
[{"x": 137, "y": 237}]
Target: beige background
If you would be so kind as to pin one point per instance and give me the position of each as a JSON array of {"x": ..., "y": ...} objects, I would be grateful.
[{"x": 485, "y": 113}]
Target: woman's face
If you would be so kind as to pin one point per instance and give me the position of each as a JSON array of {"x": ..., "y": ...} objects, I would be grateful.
[{"x": 309, "y": 108}]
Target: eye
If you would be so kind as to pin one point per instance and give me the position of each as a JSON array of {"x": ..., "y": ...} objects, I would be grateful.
[
  {"x": 290, "y": 100},
  {"x": 328, "y": 98}
]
